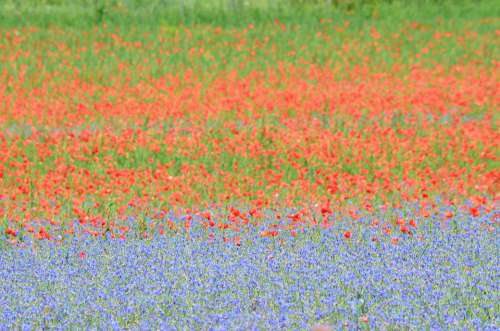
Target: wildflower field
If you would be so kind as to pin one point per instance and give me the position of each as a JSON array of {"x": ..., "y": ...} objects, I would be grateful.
[{"x": 234, "y": 165}]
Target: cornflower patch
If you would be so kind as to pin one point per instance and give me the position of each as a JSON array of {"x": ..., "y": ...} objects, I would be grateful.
[{"x": 191, "y": 165}]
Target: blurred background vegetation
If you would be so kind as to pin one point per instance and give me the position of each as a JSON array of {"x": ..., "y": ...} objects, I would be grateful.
[{"x": 224, "y": 12}]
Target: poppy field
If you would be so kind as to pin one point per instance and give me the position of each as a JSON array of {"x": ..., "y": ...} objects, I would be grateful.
[{"x": 250, "y": 168}]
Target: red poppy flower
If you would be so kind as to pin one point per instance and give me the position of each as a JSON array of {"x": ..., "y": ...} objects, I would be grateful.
[
  {"x": 474, "y": 211},
  {"x": 404, "y": 229}
]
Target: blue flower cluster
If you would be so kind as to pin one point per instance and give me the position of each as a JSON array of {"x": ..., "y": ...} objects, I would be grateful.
[{"x": 447, "y": 280}]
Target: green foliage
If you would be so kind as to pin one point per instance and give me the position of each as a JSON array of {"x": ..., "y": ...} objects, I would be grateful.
[{"x": 224, "y": 12}]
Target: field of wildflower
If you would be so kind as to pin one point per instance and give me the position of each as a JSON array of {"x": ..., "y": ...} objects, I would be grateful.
[{"x": 235, "y": 165}]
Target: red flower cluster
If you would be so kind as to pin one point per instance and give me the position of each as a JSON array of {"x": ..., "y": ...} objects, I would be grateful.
[{"x": 286, "y": 134}]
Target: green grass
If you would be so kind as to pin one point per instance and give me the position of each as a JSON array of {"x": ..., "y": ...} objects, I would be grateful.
[
  {"x": 51, "y": 41},
  {"x": 230, "y": 12}
]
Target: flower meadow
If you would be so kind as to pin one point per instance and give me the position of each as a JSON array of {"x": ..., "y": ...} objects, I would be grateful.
[
  {"x": 251, "y": 167},
  {"x": 447, "y": 281}
]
